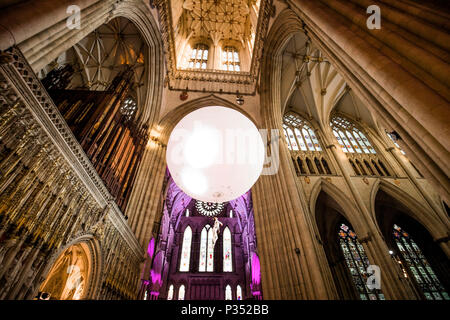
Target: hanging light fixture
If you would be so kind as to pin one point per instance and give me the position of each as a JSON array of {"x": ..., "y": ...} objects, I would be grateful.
[{"x": 215, "y": 154}]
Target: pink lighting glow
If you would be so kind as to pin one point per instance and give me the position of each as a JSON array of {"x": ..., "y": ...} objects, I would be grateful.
[
  {"x": 156, "y": 277},
  {"x": 151, "y": 248},
  {"x": 256, "y": 270}
]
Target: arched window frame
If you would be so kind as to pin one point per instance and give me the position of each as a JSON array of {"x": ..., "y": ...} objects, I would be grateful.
[
  {"x": 227, "y": 250},
  {"x": 357, "y": 263},
  {"x": 198, "y": 58},
  {"x": 230, "y": 59},
  {"x": 418, "y": 266},
  {"x": 305, "y": 146},
  {"x": 206, "y": 252},
  {"x": 182, "y": 292},
  {"x": 355, "y": 143},
  {"x": 170, "y": 292},
  {"x": 228, "y": 293},
  {"x": 186, "y": 248}
]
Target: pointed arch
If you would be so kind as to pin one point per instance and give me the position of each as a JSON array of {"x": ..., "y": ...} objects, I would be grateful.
[
  {"x": 185, "y": 256},
  {"x": 348, "y": 207},
  {"x": 171, "y": 118},
  {"x": 93, "y": 250},
  {"x": 425, "y": 216}
]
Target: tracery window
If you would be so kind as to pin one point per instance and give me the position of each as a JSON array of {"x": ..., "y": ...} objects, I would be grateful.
[
  {"x": 199, "y": 56},
  {"x": 181, "y": 292},
  {"x": 230, "y": 59},
  {"x": 227, "y": 254},
  {"x": 228, "y": 293},
  {"x": 357, "y": 263},
  {"x": 206, "y": 260},
  {"x": 418, "y": 266},
  {"x": 170, "y": 293},
  {"x": 209, "y": 209},
  {"x": 186, "y": 249},
  {"x": 354, "y": 142},
  {"x": 307, "y": 154},
  {"x": 238, "y": 292}
]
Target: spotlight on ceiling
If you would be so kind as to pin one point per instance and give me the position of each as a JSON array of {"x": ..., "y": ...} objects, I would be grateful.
[{"x": 215, "y": 154}]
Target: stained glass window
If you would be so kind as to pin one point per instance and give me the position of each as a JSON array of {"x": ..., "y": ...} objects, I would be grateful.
[
  {"x": 199, "y": 57},
  {"x": 230, "y": 59},
  {"x": 286, "y": 137},
  {"x": 206, "y": 261},
  {"x": 357, "y": 263},
  {"x": 350, "y": 138},
  {"x": 227, "y": 254},
  {"x": 186, "y": 249},
  {"x": 238, "y": 292},
  {"x": 228, "y": 293},
  {"x": 418, "y": 265},
  {"x": 209, "y": 209},
  {"x": 181, "y": 292},
  {"x": 299, "y": 134},
  {"x": 170, "y": 293}
]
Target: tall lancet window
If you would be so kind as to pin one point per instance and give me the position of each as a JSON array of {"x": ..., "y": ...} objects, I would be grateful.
[
  {"x": 357, "y": 263},
  {"x": 170, "y": 293},
  {"x": 199, "y": 56},
  {"x": 418, "y": 265},
  {"x": 181, "y": 292},
  {"x": 306, "y": 151},
  {"x": 186, "y": 249},
  {"x": 228, "y": 293},
  {"x": 230, "y": 59},
  {"x": 227, "y": 254},
  {"x": 354, "y": 142},
  {"x": 206, "y": 261}
]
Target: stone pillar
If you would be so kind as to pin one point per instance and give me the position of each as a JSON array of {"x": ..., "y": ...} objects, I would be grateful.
[{"x": 146, "y": 196}]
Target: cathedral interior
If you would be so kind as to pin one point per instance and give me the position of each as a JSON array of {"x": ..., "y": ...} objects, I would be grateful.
[{"x": 91, "y": 90}]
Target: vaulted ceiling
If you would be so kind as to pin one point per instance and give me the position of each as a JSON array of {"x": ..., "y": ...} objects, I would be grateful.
[
  {"x": 100, "y": 56},
  {"x": 312, "y": 87},
  {"x": 217, "y": 19}
]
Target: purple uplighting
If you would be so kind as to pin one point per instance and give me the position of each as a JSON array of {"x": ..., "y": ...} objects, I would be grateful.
[
  {"x": 244, "y": 269},
  {"x": 156, "y": 277},
  {"x": 151, "y": 248},
  {"x": 256, "y": 270}
]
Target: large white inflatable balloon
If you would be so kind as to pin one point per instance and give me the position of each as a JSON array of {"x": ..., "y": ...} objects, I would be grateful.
[{"x": 215, "y": 154}]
